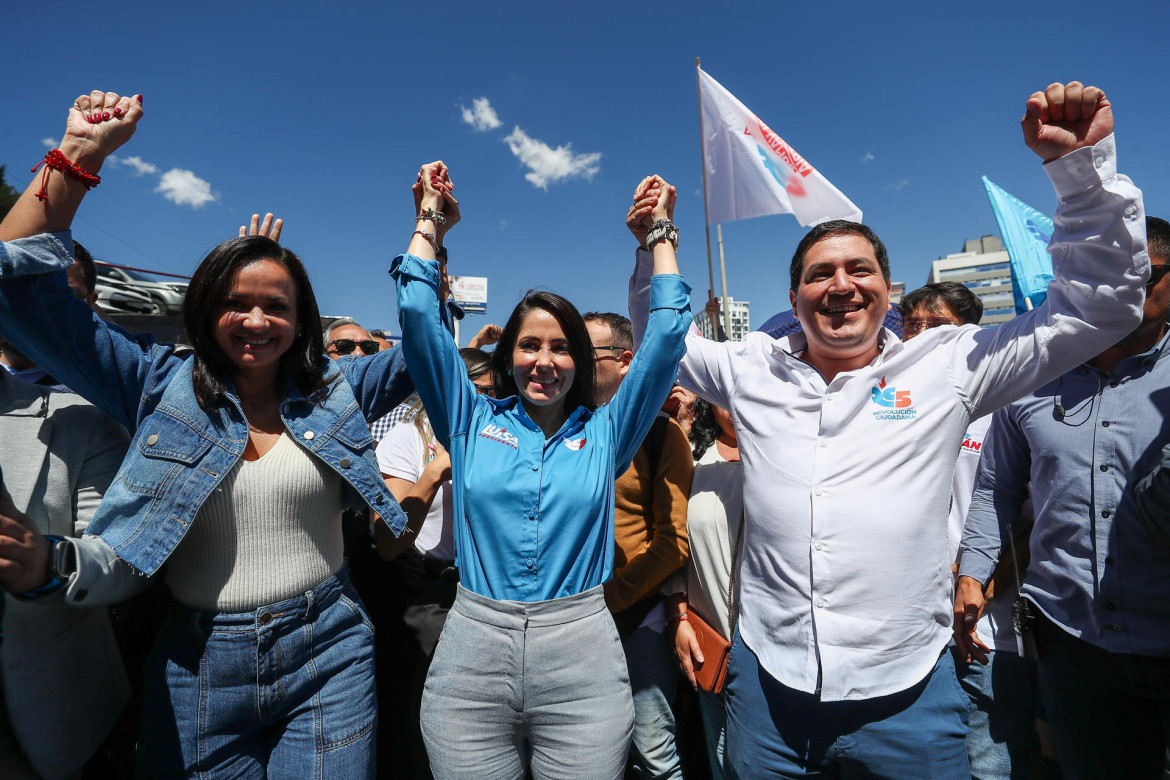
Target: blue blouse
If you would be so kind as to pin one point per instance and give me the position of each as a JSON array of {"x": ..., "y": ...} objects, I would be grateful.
[{"x": 533, "y": 518}]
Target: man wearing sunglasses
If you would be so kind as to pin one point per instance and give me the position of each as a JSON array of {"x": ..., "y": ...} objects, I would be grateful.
[
  {"x": 345, "y": 337},
  {"x": 1097, "y": 582}
]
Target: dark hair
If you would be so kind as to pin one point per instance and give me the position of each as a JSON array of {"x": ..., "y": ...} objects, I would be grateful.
[
  {"x": 303, "y": 363},
  {"x": 704, "y": 429},
  {"x": 838, "y": 227},
  {"x": 953, "y": 295},
  {"x": 84, "y": 259},
  {"x": 619, "y": 327},
  {"x": 1158, "y": 238},
  {"x": 476, "y": 360},
  {"x": 580, "y": 347}
]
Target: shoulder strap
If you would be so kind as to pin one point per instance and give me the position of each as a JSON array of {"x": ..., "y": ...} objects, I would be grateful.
[{"x": 654, "y": 441}]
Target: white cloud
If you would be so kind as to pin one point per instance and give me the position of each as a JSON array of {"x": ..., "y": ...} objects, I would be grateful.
[
  {"x": 547, "y": 165},
  {"x": 185, "y": 188},
  {"x": 49, "y": 143},
  {"x": 481, "y": 116},
  {"x": 898, "y": 186},
  {"x": 868, "y": 156},
  {"x": 140, "y": 166}
]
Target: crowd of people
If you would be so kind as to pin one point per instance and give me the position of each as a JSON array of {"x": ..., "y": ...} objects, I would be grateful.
[{"x": 282, "y": 551}]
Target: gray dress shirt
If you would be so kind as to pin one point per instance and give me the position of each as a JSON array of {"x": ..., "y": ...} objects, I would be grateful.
[{"x": 1096, "y": 570}]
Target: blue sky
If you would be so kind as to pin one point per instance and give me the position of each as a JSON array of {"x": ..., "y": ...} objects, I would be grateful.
[{"x": 322, "y": 113}]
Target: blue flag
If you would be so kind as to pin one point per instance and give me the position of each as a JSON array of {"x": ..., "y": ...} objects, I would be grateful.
[{"x": 1026, "y": 233}]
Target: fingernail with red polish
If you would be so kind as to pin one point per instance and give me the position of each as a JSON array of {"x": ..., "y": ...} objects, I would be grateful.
[
  {"x": 139, "y": 97},
  {"x": 106, "y": 115},
  {"x": 117, "y": 112}
]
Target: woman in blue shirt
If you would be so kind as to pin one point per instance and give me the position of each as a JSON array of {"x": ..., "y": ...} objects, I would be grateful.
[
  {"x": 245, "y": 452},
  {"x": 529, "y": 675}
]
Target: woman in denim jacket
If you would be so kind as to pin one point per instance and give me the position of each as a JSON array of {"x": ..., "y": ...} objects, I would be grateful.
[
  {"x": 243, "y": 457},
  {"x": 529, "y": 677}
]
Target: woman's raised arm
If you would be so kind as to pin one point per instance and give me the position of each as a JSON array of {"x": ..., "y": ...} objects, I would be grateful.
[
  {"x": 432, "y": 357},
  {"x": 98, "y": 124}
]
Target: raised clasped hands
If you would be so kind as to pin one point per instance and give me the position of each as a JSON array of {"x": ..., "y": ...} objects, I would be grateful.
[
  {"x": 98, "y": 124},
  {"x": 1064, "y": 118},
  {"x": 434, "y": 190},
  {"x": 654, "y": 199}
]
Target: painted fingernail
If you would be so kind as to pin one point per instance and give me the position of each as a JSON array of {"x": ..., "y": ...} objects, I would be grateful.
[
  {"x": 139, "y": 98},
  {"x": 105, "y": 115},
  {"x": 117, "y": 112}
]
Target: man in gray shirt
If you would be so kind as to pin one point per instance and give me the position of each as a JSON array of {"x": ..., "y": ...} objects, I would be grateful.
[{"x": 1099, "y": 578}]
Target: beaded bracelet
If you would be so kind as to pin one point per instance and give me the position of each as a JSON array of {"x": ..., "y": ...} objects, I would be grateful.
[
  {"x": 662, "y": 229},
  {"x": 434, "y": 216},
  {"x": 56, "y": 160},
  {"x": 430, "y": 237}
]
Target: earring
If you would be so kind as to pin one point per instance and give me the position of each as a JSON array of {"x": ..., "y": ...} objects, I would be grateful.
[{"x": 508, "y": 372}]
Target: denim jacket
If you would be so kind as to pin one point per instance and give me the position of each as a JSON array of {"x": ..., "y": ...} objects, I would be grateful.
[{"x": 179, "y": 453}]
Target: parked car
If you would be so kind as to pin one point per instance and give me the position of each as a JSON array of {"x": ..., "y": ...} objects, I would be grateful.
[
  {"x": 121, "y": 298},
  {"x": 167, "y": 296}
]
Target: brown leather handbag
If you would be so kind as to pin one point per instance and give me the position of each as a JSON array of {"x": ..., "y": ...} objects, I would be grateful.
[{"x": 715, "y": 647}]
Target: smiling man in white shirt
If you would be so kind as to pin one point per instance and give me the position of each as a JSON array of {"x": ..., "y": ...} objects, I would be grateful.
[{"x": 848, "y": 440}]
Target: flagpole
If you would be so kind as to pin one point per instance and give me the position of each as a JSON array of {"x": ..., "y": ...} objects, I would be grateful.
[
  {"x": 706, "y": 220},
  {"x": 723, "y": 283}
]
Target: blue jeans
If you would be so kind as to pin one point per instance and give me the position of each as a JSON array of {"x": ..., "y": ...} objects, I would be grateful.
[
  {"x": 1002, "y": 742},
  {"x": 653, "y": 680},
  {"x": 282, "y": 691},
  {"x": 775, "y": 731},
  {"x": 713, "y": 708},
  {"x": 1109, "y": 712},
  {"x": 528, "y": 686}
]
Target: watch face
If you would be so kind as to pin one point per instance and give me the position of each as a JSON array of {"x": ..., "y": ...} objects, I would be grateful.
[{"x": 62, "y": 561}]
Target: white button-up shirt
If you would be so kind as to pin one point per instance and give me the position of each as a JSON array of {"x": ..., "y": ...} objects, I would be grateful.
[{"x": 845, "y": 579}]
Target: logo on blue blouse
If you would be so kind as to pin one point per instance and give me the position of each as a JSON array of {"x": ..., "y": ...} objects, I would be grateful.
[
  {"x": 575, "y": 444},
  {"x": 501, "y": 435}
]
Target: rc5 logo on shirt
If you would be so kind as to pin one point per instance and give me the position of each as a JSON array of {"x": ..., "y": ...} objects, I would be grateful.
[
  {"x": 895, "y": 403},
  {"x": 501, "y": 435}
]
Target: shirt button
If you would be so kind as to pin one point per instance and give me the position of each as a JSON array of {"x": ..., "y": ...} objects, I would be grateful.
[
  {"x": 152, "y": 440},
  {"x": 530, "y": 563},
  {"x": 819, "y": 546},
  {"x": 1098, "y": 162},
  {"x": 1116, "y": 627},
  {"x": 265, "y": 618},
  {"x": 1110, "y": 607},
  {"x": 379, "y": 499},
  {"x": 309, "y": 435},
  {"x": 824, "y": 443},
  {"x": 829, "y": 397},
  {"x": 536, "y": 467},
  {"x": 1105, "y": 424},
  {"x": 1114, "y": 383},
  {"x": 1105, "y": 513},
  {"x": 818, "y": 491},
  {"x": 1104, "y": 467},
  {"x": 820, "y": 602},
  {"x": 344, "y": 463},
  {"x": 1130, "y": 210}
]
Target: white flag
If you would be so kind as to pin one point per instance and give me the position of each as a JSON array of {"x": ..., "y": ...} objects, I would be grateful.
[{"x": 751, "y": 171}]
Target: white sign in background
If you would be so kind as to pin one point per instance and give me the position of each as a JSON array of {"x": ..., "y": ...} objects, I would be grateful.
[{"x": 470, "y": 292}]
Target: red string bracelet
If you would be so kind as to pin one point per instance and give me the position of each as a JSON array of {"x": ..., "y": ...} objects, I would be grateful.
[{"x": 58, "y": 161}]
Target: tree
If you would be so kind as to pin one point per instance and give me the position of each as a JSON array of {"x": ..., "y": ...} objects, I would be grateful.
[{"x": 8, "y": 195}]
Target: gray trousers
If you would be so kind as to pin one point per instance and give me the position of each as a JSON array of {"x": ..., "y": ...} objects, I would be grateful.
[{"x": 520, "y": 687}]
